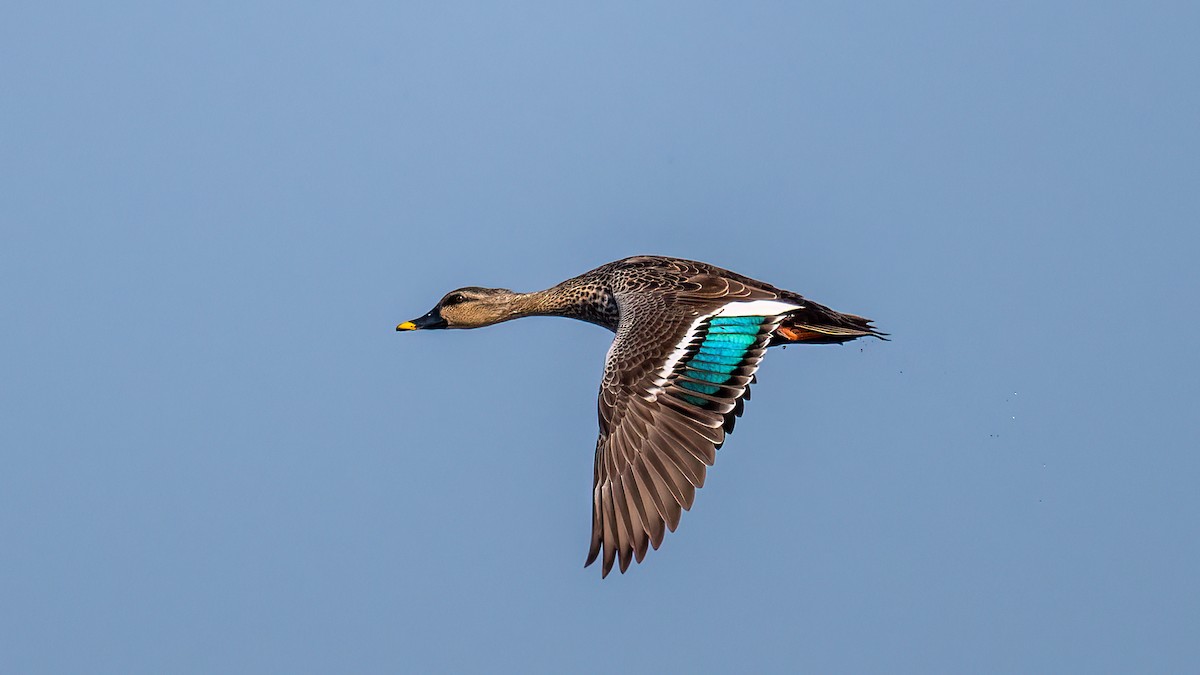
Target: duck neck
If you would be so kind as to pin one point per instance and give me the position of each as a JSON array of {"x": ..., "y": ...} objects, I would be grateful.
[
  {"x": 586, "y": 304},
  {"x": 539, "y": 303}
]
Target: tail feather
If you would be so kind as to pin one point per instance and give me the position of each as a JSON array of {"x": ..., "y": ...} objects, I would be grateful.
[{"x": 817, "y": 324}]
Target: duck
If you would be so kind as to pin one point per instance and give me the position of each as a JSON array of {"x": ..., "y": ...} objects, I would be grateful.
[{"x": 689, "y": 339}]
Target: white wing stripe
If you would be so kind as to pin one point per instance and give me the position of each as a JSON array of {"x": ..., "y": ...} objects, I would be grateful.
[{"x": 757, "y": 308}]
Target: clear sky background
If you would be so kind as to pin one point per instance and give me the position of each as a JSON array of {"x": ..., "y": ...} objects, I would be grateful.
[{"x": 216, "y": 455}]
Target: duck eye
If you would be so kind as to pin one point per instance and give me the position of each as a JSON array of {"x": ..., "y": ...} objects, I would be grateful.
[{"x": 454, "y": 299}]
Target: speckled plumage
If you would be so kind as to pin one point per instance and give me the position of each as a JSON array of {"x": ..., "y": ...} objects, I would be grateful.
[{"x": 689, "y": 338}]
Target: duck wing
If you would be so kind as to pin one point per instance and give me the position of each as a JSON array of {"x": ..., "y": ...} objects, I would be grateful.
[{"x": 675, "y": 379}]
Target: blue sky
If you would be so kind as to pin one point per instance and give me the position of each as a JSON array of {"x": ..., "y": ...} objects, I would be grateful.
[{"x": 218, "y": 456}]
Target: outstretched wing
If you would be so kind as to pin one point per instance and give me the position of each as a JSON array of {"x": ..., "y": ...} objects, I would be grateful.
[{"x": 671, "y": 391}]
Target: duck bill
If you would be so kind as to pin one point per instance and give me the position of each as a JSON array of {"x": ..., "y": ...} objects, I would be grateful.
[{"x": 431, "y": 320}]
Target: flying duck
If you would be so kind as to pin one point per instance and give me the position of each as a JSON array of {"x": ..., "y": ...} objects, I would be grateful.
[{"x": 689, "y": 338}]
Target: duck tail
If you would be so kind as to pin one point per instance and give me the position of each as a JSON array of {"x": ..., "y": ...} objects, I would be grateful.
[{"x": 817, "y": 324}]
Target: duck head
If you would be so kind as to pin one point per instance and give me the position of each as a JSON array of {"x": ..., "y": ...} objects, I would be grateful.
[{"x": 469, "y": 307}]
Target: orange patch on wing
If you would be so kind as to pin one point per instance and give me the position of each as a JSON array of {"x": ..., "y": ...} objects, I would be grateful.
[{"x": 799, "y": 334}]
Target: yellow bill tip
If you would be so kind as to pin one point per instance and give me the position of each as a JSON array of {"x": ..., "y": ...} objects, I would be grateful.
[{"x": 407, "y": 325}]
